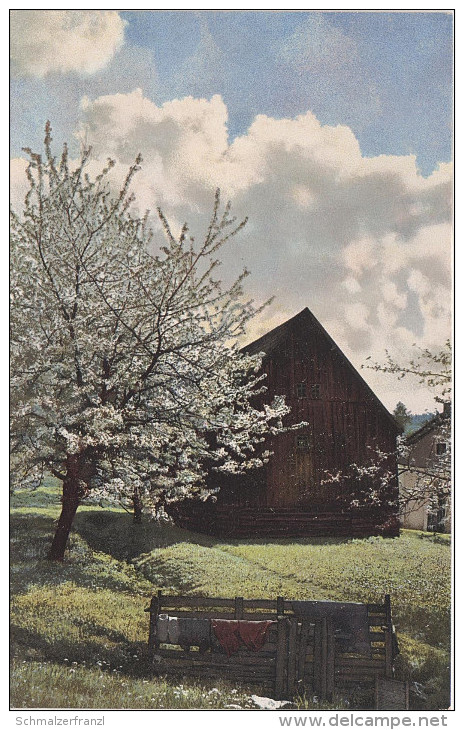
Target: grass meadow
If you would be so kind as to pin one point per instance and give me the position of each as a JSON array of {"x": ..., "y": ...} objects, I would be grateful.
[{"x": 79, "y": 629}]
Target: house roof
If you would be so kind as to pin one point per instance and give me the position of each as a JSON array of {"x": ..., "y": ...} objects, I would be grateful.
[
  {"x": 429, "y": 426},
  {"x": 271, "y": 341}
]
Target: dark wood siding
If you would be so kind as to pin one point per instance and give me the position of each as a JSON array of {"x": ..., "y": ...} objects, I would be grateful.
[{"x": 344, "y": 423}]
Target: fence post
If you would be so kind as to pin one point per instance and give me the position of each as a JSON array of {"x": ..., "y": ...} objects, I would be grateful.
[
  {"x": 238, "y": 608},
  {"x": 388, "y": 638},
  {"x": 324, "y": 658},
  {"x": 317, "y": 658},
  {"x": 330, "y": 659},
  {"x": 302, "y": 649},
  {"x": 154, "y": 610},
  {"x": 292, "y": 656},
  {"x": 281, "y": 658}
]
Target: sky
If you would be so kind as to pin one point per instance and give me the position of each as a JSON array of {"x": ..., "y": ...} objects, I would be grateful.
[{"x": 330, "y": 131}]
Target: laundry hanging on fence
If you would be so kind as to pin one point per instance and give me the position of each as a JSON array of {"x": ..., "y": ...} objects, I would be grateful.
[
  {"x": 185, "y": 632},
  {"x": 167, "y": 629},
  {"x": 231, "y": 635},
  {"x": 350, "y": 620},
  {"x": 253, "y": 633},
  {"x": 194, "y": 632},
  {"x": 226, "y": 633}
]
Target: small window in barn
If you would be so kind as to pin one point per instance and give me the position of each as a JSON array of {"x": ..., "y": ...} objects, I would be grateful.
[
  {"x": 441, "y": 448},
  {"x": 302, "y": 443},
  {"x": 316, "y": 391},
  {"x": 301, "y": 390}
]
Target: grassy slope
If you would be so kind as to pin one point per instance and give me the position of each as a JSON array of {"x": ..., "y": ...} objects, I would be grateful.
[{"x": 90, "y": 610}]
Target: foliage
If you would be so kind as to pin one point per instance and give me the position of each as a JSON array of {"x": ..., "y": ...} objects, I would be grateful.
[
  {"x": 125, "y": 376},
  {"x": 417, "y": 421},
  {"x": 402, "y": 416},
  {"x": 433, "y": 369}
]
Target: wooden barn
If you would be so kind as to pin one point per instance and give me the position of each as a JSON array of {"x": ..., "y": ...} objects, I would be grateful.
[{"x": 291, "y": 495}]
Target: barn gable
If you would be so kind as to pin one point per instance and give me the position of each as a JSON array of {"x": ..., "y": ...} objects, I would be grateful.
[{"x": 302, "y": 335}]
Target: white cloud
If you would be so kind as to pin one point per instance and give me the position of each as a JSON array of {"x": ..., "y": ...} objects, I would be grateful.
[
  {"x": 61, "y": 41},
  {"x": 357, "y": 315},
  {"x": 363, "y": 242}
]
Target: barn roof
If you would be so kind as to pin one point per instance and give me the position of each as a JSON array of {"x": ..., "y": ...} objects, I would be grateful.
[{"x": 271, "y": 341}]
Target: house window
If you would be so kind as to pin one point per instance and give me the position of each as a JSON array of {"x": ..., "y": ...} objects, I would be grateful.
[
  {"x": 302, "y": 443},
  {"x": 301, "y": 390},
  {"x": 436, "y": 519},
  {"x": 440, "y": 448},
  {"x": 316, "y": 391}
]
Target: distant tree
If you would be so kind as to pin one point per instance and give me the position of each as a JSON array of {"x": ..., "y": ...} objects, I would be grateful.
[
  {"x": 402, "y": 416},
  {"x": 126, "y": 379}
]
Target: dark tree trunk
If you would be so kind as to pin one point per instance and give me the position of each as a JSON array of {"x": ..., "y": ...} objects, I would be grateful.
[
  {"x": 137, "y": 506},
  {"x": 69, "y": 504}
]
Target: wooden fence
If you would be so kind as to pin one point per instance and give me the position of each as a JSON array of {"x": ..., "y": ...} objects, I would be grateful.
[{"x": 300, "y": 655}]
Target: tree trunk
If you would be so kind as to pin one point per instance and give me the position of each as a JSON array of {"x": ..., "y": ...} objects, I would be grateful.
[
  {"x": 137, "y": 505},
  {"x": 69, "y": 505}
]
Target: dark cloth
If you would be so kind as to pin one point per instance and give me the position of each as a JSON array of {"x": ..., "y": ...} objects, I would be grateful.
[
  {"x": 350, "y": 622},
  {"x": 232, "y": 634},
  {"x": 226, "y": 633},
  {"x": 194, "y": 632}
]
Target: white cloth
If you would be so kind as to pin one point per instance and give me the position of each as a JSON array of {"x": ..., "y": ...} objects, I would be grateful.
[{"x": 167, "y": 629}]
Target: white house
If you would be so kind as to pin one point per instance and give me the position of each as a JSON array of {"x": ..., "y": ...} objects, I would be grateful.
[{"x": 424, "y": 476}]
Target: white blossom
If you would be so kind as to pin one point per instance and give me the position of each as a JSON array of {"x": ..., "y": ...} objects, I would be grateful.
[
  {"x": 124, "y": 363},
  {"x": 430, "y": 483}
]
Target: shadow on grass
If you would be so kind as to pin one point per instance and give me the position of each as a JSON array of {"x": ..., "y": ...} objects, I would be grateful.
[
  {"x": 116, "y": 534},
  {"x": 31, "y": 537},
  {"x": 120, "y": 654}
]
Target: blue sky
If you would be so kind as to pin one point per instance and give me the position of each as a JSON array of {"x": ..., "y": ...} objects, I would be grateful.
[
  {"x": 397, "y": 67},
  {"x": 386, "y": 75},
  {"x": 331, "y": 131}
]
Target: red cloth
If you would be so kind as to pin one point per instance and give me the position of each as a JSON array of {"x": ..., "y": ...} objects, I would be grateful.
[
  {"x": 231, "y": 634},
  {"x": 253, "y": 633},
  {"x": 227, "y": 633}
]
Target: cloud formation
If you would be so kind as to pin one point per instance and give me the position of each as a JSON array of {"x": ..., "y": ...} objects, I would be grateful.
[
  {"x": 365, "y": 243},
  {"x": 47, "y": 42}
]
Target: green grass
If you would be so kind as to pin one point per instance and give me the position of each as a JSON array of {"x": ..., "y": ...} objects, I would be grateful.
[
  {"x": 79, "y": 629},
  {"x": 53, "y": 685},
  {"x": 415, "y": 572}
]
